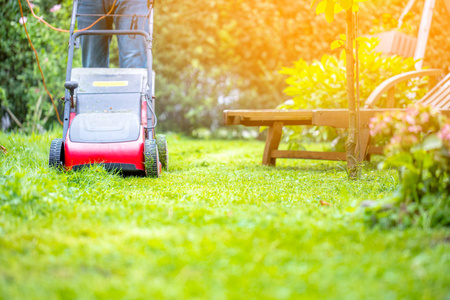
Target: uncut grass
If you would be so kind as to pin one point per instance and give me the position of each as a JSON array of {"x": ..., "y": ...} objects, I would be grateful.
[{"x": 218, "y": 225}]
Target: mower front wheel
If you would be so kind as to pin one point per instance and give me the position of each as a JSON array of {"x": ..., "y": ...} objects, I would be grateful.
[
  {"x": 151, "y": 159},
  {"x": 56, "y": 155}
]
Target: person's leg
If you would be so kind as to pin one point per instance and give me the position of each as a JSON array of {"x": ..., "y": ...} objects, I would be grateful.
[
  {"x": 132, "y": 51},
  {"x": 94, "y": 48}
]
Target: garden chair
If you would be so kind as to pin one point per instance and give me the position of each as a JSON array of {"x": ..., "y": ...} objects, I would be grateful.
[{"x": 438, "y": 96}]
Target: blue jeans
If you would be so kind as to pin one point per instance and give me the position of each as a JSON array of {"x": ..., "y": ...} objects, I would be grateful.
[{"x": 95, "y": 48}]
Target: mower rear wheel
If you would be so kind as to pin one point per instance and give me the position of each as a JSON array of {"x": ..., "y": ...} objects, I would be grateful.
[
  {"x": 56, "y": 155},
  {"x": 163, "y": 152},
  {"x": 151, "y": 158}
]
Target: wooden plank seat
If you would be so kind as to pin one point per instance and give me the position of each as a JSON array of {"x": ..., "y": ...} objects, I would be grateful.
[{"x": 438, "y": 96}]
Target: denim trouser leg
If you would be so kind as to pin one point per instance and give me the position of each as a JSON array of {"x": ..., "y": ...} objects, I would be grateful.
[
  {"x": 94, "y": 48},
  {"x": 132, "y": 52}
]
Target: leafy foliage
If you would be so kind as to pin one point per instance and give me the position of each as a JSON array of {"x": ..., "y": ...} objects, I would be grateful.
[
  {"x": 419, "y": 148},
  {"x": 322, "y": 84},
  {"x": 19, "y": 75},
  {"x": 332, "y": 7}
]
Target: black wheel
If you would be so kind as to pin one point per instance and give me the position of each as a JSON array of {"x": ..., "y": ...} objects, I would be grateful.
[
  {"x": 56, "y": 155},
  {"x": 151, "y": 158},
  {"x": 163, "y": 152}
]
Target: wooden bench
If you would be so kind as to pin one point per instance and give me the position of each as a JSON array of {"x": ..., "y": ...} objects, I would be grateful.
[{"x": 438, "y": 96}]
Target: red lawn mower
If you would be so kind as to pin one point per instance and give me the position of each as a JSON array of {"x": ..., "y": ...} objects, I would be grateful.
[{"x": 109, "y": 114}]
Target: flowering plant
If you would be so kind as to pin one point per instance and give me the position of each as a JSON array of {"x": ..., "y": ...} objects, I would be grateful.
[{"x": 418, "y": 146}]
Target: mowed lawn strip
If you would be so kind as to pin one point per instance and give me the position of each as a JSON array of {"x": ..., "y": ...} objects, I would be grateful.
[{"x": 216, "y": 226}]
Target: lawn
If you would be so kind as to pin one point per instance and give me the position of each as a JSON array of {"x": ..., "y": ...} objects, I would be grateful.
[{"x": 216, "y": 226}]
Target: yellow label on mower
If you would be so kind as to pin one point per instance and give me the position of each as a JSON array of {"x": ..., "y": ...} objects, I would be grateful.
[{"x": 110, "y": 83}]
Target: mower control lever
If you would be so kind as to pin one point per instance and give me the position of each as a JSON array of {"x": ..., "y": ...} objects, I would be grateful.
[{"x": 71, "y": 86}]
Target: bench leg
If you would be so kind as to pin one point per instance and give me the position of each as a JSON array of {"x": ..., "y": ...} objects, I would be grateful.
[{"x": 272, "y": 142}]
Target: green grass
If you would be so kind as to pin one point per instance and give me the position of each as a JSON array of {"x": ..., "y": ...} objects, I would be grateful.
[{"x": 216, "y": 226}]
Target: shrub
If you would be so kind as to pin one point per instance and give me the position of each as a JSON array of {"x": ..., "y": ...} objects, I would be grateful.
[
  {"x": 19, "y": 76},
  {"x": 322, "y": 84},
  {"x": 418, "y": 146}
]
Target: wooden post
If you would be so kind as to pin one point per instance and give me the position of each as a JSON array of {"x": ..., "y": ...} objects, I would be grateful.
[{"x": 272, "y": 142}]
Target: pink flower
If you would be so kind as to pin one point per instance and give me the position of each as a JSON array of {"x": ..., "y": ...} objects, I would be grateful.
[
  {"x": 55, "y": 8},
  {"x": 415, "y": 128},
  {"x": 413, "y": 110},
  {"x": 410, "y": 119},
  {"x": 444, "y": 134},
  {"x": 396, "y": 139},
  {"x": 23, "y": 20},
  {"x": 376, "y": 128}
]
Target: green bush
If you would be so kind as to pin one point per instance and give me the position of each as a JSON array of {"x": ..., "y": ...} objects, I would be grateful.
[
  {"x": 19, "y": 74},
  {"x": 418, "y": 146},
  {"x": 322, "y": 84}
]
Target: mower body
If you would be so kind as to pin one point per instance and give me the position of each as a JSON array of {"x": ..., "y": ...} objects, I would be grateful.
[{"x": 109, "y": 121}]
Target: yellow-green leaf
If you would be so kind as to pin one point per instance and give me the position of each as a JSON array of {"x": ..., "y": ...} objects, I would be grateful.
[
  {"x": 343, "y": 37},
  {"x": 337, "y": 8},
  {"x": 329, "y": 11},
  {"x": 346, "y": 4},
  {"x": 321, "y": 7},
  {"x": 336, "y": 44},
  {"x": 362, "y": 39},
  {"x": 313, "y": 2}
]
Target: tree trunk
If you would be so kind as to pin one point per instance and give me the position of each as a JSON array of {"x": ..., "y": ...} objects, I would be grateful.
[{"x": 350, "y": 145}]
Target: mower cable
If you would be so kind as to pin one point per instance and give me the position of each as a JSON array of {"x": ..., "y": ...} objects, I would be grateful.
[
  {"x": 40, "y": 19},
  {"x": 39, "y": 65}
]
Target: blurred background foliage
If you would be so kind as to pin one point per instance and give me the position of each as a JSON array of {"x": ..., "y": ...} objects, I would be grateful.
[
  {"x": 208, "y": 55},
  {"x": 20, "y": 79}
]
